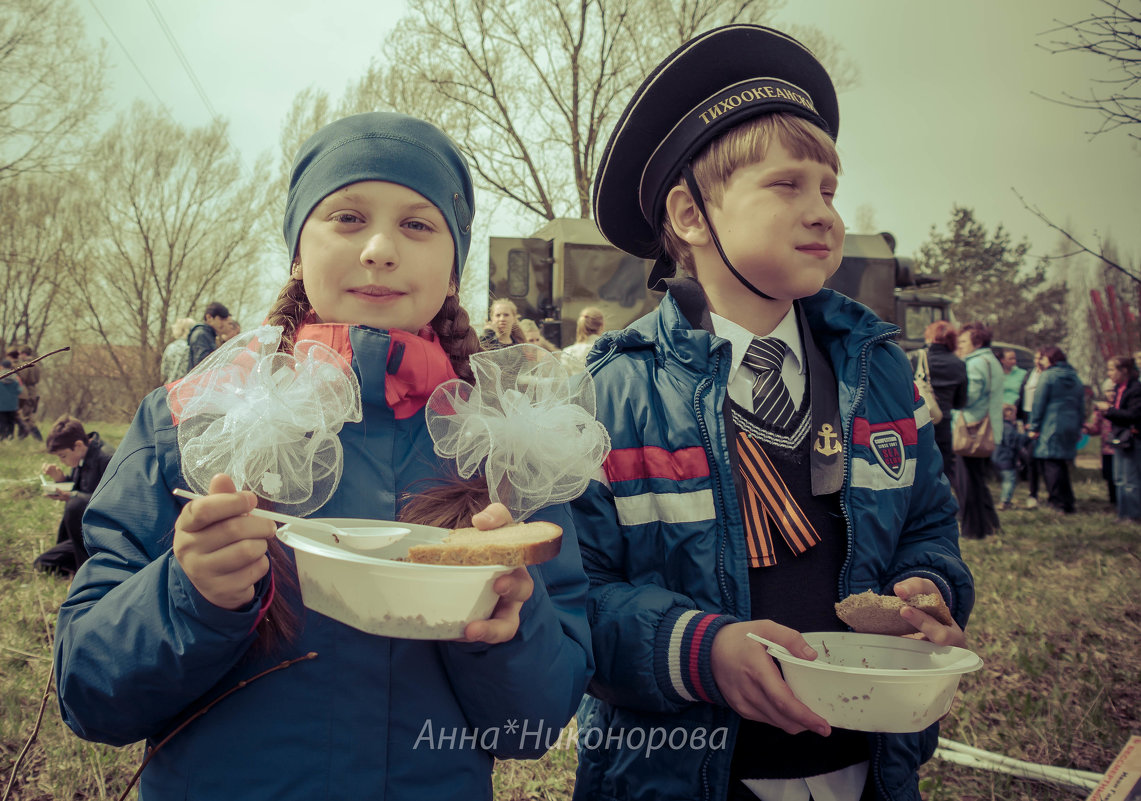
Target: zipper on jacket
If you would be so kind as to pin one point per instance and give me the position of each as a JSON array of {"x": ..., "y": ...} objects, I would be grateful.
[
  {"x": 876, "y": 766},
  {"x": 707, "y": 443},
  {"x": 861, "y": 386},
  {"x": 877, "y": 751}
]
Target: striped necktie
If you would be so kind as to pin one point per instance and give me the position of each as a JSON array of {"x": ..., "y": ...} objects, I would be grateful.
[{"x": 771, "y": 400}]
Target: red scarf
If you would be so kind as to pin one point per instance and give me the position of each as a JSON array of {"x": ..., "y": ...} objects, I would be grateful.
[{"x": 416, "y": 363}]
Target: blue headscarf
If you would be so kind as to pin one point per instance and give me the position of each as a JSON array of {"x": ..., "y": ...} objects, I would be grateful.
[{"x": 382, "y": 146}]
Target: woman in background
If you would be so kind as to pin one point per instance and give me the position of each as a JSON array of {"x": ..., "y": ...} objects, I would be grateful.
[
  {"x": 1125, "y": 414},
  {"x": 977, "y": 515},
  {"x": 534, "y": 336},
  {"x": 948, "y": 376},
  {"x": 588, "y": 328},
  {"x": 176, "y": 358},
  {"x": 503, "y": 330},
  {"x": 1102, "y": 428},
  {"x": 1056, "y": 426}
]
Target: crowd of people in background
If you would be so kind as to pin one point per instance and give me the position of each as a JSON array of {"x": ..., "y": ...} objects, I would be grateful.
[
  {"x": 191, "y": 343},
  {"x": 505, "y": 328},
  {"x": 1037, "y": 417}
]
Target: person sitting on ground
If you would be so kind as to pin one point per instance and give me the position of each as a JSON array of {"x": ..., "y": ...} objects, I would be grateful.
[
  {"x": 534, "y": 336},
  {"x": 505, "y": 330},
  {"x": 203, "y": 339},
  {"x": 176, "y": 358},
  {"x": 587, "y": 330},
  {"x": 87, "y": 456}
]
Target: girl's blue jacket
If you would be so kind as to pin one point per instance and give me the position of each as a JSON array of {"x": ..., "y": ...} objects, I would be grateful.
[
  {"x": 138, "y": 649},
  {"x": 664, "y": 546}
]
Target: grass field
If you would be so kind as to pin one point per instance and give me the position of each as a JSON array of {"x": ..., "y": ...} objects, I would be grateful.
[{"x": 1057, "y": 621}]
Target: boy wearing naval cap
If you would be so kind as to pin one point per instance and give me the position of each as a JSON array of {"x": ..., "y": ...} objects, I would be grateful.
[{"x": 771, "y": 454}]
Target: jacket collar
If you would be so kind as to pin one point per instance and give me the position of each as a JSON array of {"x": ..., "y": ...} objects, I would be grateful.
[
  {"x": 393, "y": 367},
  {"x": 685, "y": 323}
]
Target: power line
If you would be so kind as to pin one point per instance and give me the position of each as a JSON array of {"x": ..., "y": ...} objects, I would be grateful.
[
  {"x": 182, "y": 58},
  {"x": 127, "y": 53},
  {"x": 198, "y": 87}
]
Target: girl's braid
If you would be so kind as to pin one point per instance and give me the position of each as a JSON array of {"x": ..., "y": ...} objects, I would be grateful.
[
  {"x": 289, "y": 311},
  {"x": 458, "y": 339},
  {"x": 281, "y": 623}
]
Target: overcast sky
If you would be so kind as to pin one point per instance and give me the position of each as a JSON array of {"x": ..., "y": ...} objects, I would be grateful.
[{"x": 945, "y": 111}]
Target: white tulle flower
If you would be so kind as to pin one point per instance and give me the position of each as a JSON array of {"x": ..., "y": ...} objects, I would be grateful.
[
  {"x": 527, "y": 421},
  {"x": 269, "y": 420}
]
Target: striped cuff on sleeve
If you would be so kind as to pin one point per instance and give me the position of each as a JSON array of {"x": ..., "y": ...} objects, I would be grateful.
[{"x": 683, "y": 652}]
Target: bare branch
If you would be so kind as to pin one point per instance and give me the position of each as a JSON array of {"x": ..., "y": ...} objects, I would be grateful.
[
  {"x": 26, "y": 365},
  {"x": 1081, "y": 247},
  {"x": 1114, "y": 35}
]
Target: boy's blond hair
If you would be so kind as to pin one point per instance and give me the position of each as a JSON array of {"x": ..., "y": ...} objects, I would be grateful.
[{"x": 747, "y": 144}]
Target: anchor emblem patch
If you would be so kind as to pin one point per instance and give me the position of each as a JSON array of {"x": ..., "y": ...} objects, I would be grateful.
[{"x": 828, "y": 441}]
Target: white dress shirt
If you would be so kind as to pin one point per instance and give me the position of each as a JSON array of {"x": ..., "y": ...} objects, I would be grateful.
[{"x": 792, "y": 371}]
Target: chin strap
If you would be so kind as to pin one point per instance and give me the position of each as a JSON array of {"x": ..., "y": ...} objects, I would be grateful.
[{"x": 691, "y": 182}]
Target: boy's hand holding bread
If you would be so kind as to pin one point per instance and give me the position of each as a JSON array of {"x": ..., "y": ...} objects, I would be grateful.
[{"x": 916, "y": 608}]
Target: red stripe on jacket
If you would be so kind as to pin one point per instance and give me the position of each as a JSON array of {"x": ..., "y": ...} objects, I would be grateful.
[
  {"x": 862, "y": 430},
  {"x": 628, "y": 464}
]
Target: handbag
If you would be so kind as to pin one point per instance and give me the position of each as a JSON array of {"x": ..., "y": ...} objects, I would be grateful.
[
  {"x": 975, "y": 440},
  {"x": 926, "y": 391}
]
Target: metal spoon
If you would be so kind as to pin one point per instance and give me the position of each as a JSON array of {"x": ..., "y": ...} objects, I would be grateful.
[{"x": 359, "y": 539}]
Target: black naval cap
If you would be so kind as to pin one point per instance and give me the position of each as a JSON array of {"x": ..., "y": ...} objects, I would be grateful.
[{"x": 710, "y": 84}]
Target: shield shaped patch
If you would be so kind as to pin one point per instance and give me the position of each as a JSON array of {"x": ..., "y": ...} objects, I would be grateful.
[{"x": 888, "y": 448}]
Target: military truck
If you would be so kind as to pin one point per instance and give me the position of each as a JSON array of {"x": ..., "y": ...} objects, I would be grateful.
[{"x": 567, "y": 265}]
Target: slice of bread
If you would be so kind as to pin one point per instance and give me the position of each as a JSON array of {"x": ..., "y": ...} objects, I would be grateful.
[
  {"x": 513, "y": 546},
  {"x": 879, "y": 614}
]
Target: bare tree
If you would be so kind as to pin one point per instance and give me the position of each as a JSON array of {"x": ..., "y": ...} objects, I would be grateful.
[
  {"x": 1114, "y": 34},
  {"x": 51, "y": 86},
  {"x": 37, "y": 245},
  {"x": 530, "y": 89},
  {"x": 176, "y": 225}
]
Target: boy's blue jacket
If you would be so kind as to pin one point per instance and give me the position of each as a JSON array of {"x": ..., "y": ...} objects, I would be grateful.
[
  {"x": 138, "y": 649},
  {"x": 1005, "y": 456},
  {"x": 664, "y": 543}
]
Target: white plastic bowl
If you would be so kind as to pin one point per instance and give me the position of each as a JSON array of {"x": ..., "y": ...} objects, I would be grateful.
[
  {"x": 873, "y": 682},
  {"x": 370, "y": 591},
  {"x": 55, "y": 487}
]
